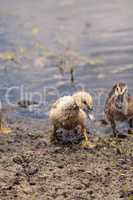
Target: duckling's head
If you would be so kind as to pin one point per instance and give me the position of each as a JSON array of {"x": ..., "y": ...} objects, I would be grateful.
[
  {"x": 85, "y": 102},
  {"x": 120, "y": 91}
]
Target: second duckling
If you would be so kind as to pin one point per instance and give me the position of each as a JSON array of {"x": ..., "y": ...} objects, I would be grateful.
[{"x": 119, "y": 106}]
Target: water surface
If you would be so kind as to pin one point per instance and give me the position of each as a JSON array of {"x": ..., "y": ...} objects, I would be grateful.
[{"x": 99, "y": 30}]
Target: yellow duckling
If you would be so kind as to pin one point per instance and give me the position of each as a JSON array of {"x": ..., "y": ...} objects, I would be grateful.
[{"x": 69, "y": 112}]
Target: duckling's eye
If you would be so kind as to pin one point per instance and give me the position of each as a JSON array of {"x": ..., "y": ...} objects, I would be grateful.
[
  {"x": 84, "y": 102},
  {"x": 117, "y": 90}
]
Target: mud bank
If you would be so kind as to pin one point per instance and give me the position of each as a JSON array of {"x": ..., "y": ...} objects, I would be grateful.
[{"x": 32, "y": 168}]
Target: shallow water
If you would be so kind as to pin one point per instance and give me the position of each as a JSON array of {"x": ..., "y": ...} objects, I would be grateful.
[{"x": 101, "y": 31}]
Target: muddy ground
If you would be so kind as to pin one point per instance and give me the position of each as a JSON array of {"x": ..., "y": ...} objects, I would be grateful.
[{"x": 32, "y": 168}]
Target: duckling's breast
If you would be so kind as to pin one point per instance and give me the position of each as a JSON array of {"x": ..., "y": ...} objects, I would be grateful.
[{"x": 113, "y": 113}]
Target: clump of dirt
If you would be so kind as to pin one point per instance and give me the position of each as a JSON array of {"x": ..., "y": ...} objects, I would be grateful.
[{"x": 32, "y": 168}]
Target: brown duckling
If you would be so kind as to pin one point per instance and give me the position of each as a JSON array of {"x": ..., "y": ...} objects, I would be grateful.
[{"x": 119, "y": 106}]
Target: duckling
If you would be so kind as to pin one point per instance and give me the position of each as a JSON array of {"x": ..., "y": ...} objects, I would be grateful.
[
  {"x": 119, "y": 106},
  {"x": 66, "y": 113}
]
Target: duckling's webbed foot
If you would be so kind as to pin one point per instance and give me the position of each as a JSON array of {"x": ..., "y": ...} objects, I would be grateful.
[
  {"x": 86, "y": 142},
  {"x": 117, "y": 133},
  {"x": 53, "y": 138},
  {"x": 130, "y": 131}
]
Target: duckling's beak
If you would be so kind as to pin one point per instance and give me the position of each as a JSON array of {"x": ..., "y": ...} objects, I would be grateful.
[
  {"x": 89, "y": 112},
  {"x": 91, "y": 116}
]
